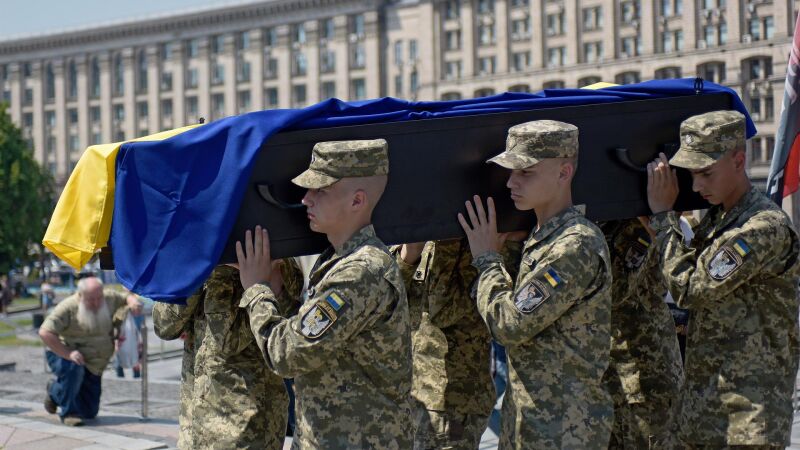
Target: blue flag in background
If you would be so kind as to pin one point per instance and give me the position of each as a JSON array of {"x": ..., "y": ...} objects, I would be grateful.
[{"x": 176, "y": 200}]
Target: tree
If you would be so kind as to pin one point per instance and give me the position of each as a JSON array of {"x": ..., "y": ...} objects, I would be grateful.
[{"x": 26, "y": 195}]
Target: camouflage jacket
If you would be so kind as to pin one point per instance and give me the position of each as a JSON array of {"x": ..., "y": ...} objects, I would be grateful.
[
  {"x": 739, "y": 280},
  {"x": 554, "y": 323},
  {"x": 450, "y": 341},
  {"x": 348, "y": 349},
  {"x": 645, "y": 363}
]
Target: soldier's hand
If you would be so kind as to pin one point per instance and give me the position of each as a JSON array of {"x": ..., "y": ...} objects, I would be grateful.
[
  {"x": 255, "y": 262},
  {"x": 662, "y": 185},
  {"x": 482, "y": 227},
  {"x": 76, "y": 357},
  {"x": 410, "y": 253}
]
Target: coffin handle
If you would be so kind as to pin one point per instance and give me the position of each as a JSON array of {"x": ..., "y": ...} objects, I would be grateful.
[
  {"x": 623, "y": 157},
  {"x": 265, "y": 191}
]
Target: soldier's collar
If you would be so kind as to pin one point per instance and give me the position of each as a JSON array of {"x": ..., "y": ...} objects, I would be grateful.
[
  {"x": 356, "y": 240},
  {"x": 744, "y": 203},
  {"x": 555, "y": 223}
]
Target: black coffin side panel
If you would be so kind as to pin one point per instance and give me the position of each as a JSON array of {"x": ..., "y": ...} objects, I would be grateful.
[{"x": 437, "y": 164}]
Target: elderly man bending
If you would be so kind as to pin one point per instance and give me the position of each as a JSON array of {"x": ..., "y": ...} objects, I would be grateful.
[{"x": 78, "y": 334}]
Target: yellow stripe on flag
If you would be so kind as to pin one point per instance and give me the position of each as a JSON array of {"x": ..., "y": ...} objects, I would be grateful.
[
  {"x": 599, "y": 85},
  {"x": 81, "y": 221}
]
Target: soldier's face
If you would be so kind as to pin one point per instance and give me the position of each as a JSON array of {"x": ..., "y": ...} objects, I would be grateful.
[
  {"x": 535, "y": 185},
  {"x": 714, "y": 183},
  {"x": 326, "y": 208}
]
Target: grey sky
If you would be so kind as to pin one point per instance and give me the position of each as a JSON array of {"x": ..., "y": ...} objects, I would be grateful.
[{"x": 26, "y": 17}]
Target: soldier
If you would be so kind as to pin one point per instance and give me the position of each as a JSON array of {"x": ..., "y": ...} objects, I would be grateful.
[
  {"x": 645, "y": 371},
  {"x": 349, "y": 347},
  {"x": 452, "y": 384},
  {"x": 554, "y": 321},
  {"x": 171, "y": 321},
  {"x": 738, "y": 278}
]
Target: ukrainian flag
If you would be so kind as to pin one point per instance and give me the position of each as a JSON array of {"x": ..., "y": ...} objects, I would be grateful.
[{"x": 81, "y": 222}]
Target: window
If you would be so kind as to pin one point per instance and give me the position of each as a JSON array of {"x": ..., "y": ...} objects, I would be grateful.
[
  {"x": 398, "y": 53},
  {"x": 358, "y": 89},
  {"x": 271, "y": 97},
  {"x": 519, "y": 88},
  {"x": 448, "y": 96},
  {"x": 755, "y": 106},
  {"x": 593, "y": 51},
  {"x": 94, "y": 114},
  {"x": 593, "y": 18},
  {"x": 142, "y": 110},
  {"x": 520, "y": 29},
  {"x": 486, "y": 34},
  {"x": 217, "y": 44},
  {"x": 166, "y": 51},
  {"x": 769, "y": 107},
  {"x": 243, "y": 41},
  {"x": 270, "y": 67},
  {"x": 556, "y": 56},
  {"x": 671, "y": 8},
  {"x": 299, "y": 64},
  {"x": 327, "y": 90},
  {"x": 485, "y": 6},
  {"x": 166, "y": 109},
  {"x": 588, "y": 81},
  {"x": 556, "y": 24},
  {"x": 27, "y": 97},
  {"x": 519, "y": 3},
  {"x": 243, "y": 101},
  {"x": 758, "y": 68},
  {"x": 118, "y": 75},
  {"x": 486, "y": 65},
  {"x": 722, "y": 30},
  {"x": 299, "y": 95},
  {"x": 754, "y": 29},
  {"x": 451, "y": 9},
  {"x": 521, "y": 61},
  {"x": 629, "y": 11},
  {"x": 452, "y": 39},
  {"x": 72, "y": 80},
  {"x": 242, "y": 71},
  {"x": 299, "y": 33},
  {"x": 141, "y": 71},
  {"x": 95, "y": 77},
  {"x": 217, "y": 73},
  {"x": 398, "y": 85},
  {"x": 668, "y": 72},
  {"x": 672, "y": 41},
  {"x": 357, "y": 25},
  {"x": 768, "y": 24},
  {"x": 166, "y": 81},
  {"x": 192, "y": 111},
  {"x": 50, "y": 119},
  {"x": 358, "y": 56},
  {"x": 414, "y": 83},
  {"x": 412, "y": 50},
  {"x": 49, "y": 83},
  {"x": 26, "y": 70},
  {"x": 191, "y": 78},
  {"x": 270, "y": 37},
  {"x": 452, "y": 70},
  {"x": 97, "y": 138},
  {"x": 73, "y": 143},
  {"x": 193, "y": 48},
  {"x": 628, "y": 77},
  {"x": 712, "y": 71},
  {"x": 630, "y": 46},
  {"x": 119, "y": 113},
  {"x": 217, "y": 106},
  {"x": 327, "y": 61},
  {"x": 485, "y": 92},
  {"x": 327, "y": 29},
  {"x": 119, "y": 136},
  {"x": 554, "y": 84},
  {"x": 72, "y": 116}
]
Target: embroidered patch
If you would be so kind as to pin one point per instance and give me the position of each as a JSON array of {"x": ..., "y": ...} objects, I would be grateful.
[
  {"x": 724, "y": 263},
  {"x": 741, "y": 247},
  {"x": 552, "y": 277},
  {"x": 531, "y": 296},
  {"x": 317, "y": 320},
  {"x": 634, "y": 257}
]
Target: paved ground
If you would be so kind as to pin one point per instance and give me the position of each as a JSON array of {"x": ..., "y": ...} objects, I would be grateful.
[{"x": 25, "y": 425}]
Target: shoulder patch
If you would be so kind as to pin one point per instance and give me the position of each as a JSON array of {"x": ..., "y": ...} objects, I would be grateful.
[
  {"x": 724, "y": 263},
  {"x": 634, "y": 256},
  {"x": 531, "y": 296},
  {"x": 552, "y": 277},
  {"x": 317, "y": 320}
]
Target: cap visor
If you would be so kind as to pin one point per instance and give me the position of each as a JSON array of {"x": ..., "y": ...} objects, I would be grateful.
[
  {"x": 693, "y": 160},
  {"x": 512, "y": 161},
  {"x": 311, "y": 179}
]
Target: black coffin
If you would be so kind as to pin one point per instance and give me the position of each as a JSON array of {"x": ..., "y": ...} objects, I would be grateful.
[{"x": 437, "y": 164}]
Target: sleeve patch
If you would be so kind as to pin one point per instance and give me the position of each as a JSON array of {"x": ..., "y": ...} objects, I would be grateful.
[
  {"x": 552, "y": 277},
  {"x": 635, "y": 255},
  {"x": 317, "y": 320},
  {"x": 725, "y": 262},
  {"x": 741, "y": 247},
  {"x": 531, "y": 296}
]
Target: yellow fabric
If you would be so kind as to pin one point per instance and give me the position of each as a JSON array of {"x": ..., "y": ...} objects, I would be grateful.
[
  {"x": 81, "y": 221},
  {"x": 599, "y": 85}
]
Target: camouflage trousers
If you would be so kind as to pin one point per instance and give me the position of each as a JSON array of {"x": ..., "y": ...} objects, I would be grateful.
[
  {"x": 639, "y": 425},
  {"x": 733, "y": 447},
  {"x": 439, "y": 430}
]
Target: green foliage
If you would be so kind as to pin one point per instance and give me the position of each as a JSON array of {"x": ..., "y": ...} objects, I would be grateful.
[{"x": 26, "y": 195}]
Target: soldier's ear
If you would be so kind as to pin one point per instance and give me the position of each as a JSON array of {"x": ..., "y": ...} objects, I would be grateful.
[
  {"x": 359, "y": 199},
  {"x": 739, "y": 157}
]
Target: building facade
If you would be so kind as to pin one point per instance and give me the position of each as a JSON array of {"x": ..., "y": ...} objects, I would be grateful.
[{"x": 69, "y": 90}]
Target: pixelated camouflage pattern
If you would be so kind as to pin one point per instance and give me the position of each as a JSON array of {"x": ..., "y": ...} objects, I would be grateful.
[
  {"x": 238, "y": 402},
  {"x": 706, "y": 137},
  {"x": 437, "y": 430},
  {"x": 332, "y": 161},
  {"x": 169, "y": 323},
  {"x": 529, "y": 142},
  {"x": 742, "y": 347},
  {"x": 353, "y": 379},
  {"x": 645, "y": 371},
  {"x": 556, "y": 335}
]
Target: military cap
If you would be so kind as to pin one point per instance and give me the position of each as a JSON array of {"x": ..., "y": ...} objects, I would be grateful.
[
  {"x": 705, "y": 138},
  {"x": 529, "y": 142},
  {"x": 334, "y": 160}
]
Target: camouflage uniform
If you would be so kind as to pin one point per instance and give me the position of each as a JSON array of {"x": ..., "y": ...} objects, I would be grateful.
[
  {"x": 169, "y": 323},
  {"x": 645, "y": 371},
  {"x": 452, "y": 385},
  {"x": 554, "y": 321},
  {"x": 739, "y": 280},
  {"x": 349, "y": 347}
]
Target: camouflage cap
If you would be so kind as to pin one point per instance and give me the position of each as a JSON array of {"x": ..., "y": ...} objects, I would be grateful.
[
  {"x": 334, "y": 160},
  {"x": 529, "y": 142},
  {"x": 705, "y": 138}
]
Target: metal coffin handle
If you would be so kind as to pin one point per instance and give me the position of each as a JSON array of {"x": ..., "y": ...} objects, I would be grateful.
[{"x": 265, "y": 191}]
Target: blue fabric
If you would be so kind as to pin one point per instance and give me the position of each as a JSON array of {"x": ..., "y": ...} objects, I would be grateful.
[
  {"x": 75, "y": 389},
  {"x": 176, "y": 200}
]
